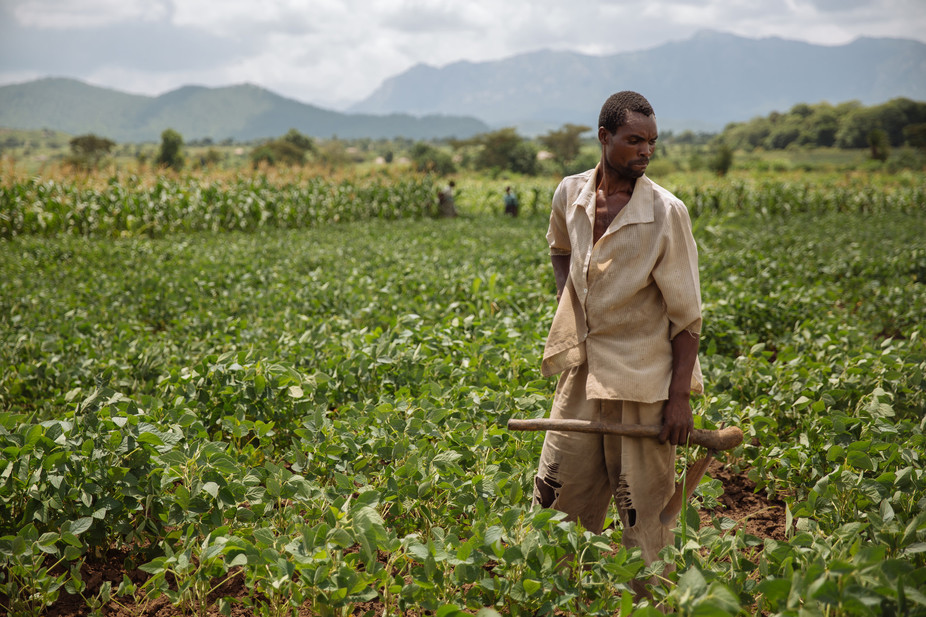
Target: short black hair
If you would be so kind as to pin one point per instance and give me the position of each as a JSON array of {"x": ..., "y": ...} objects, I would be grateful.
[{"x": 614, "y": 111}]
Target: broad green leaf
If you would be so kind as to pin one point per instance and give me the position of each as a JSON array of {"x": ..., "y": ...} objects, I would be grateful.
[
  {"x": 916, "y": 547},
  {"x": 80, "y": 525},
  {"x": 295, "y": 392},
  {"x": 151, "y": 438},
  {"x": 859, "y": 460},
  {"x": 531, "y": 586},
  {"x": 449, "y": 610},
  {"x": 775, "y": 590}
]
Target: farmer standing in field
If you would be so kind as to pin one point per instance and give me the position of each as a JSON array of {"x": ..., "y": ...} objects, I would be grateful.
[
  {"x": 625, "y": 335},
  {"x": 445, "y": 205}
]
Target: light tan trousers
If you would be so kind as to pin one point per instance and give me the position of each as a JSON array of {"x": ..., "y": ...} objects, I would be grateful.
[{"x": 579, "y": 473}]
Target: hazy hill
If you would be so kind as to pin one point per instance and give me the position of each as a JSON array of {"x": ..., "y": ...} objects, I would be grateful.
[
  {"x": 701, "y": 83},
  {"x": 241, "y": 112}
]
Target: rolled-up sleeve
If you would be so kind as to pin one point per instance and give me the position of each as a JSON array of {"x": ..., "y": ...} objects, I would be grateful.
[{"x": 557, "y": 234}]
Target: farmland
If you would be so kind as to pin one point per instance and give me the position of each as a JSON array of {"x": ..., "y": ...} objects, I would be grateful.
[{"x": 255, "y": 396}]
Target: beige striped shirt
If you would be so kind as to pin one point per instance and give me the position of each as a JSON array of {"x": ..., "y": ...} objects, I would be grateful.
[{"x": 627, "y": 296}]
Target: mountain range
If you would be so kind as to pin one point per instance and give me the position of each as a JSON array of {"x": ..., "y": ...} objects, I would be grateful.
[
  {"x": 701, "y": 84},
  {"x": 242, "y": 113}
]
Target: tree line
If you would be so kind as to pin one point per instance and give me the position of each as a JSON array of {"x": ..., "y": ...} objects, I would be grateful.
[
  {"x": 898, "y": 122},
  {"x": 571, "y": 148}
]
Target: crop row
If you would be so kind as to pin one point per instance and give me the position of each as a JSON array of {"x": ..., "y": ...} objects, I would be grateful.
[
  {"x": 784, "y": 198},
  {"x": 168, "y": 206},
  {"x": 248, "y": 203}
]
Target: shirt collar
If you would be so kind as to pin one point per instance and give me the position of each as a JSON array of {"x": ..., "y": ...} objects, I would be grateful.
[{"x": 638, "y": 210}]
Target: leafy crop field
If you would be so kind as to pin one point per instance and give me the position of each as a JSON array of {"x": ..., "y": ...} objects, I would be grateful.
[{"x": 215, "y": 402}]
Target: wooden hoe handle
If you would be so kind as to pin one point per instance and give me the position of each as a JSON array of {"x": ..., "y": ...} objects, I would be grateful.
[{"x": 722, "y": 439}]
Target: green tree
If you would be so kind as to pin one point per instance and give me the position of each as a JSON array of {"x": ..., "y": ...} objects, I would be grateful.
[
  {"x": 897, "y": 114},
  {"x": 782, "y": 136},
  {"x": 879, "y": 143},
  {"x": 290, "y": 149},
  {"x": 88, "y": 150},
  {"x": 334, "y": 154},
  {"x": 565, "y": 143},
  {"x": 505, "y": 149},
  {"x": 211, "y": 158},
  {"x": 854, "y": 128},
  {"x": 428, "y": 158},
  {"x": 819, "y": 129},
  {"x": 915, "y": 135},
  {"x": 721, "y": 160},
  {"x": 300, "y": 141},
  {"x": 171, "y": 152},
  {"x": 802, "y": 110},
  {"x": 747, "y": 135},
  {"x": 276, "y": 152}
]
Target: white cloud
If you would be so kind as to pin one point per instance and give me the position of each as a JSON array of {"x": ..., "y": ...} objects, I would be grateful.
[
  {"x": 324, "y": 51},
  {"x": 69, "y": 14}
]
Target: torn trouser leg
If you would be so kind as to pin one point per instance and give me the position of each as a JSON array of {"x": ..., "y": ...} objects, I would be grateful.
[
  {"x": 579, "y": 473},
  {"x": 647, "y": 473}
]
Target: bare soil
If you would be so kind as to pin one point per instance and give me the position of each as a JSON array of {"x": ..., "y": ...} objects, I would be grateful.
[{"x": 761, "y": 516}]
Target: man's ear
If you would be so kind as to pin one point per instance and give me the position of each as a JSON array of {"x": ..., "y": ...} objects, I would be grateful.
[{"x": 603, "y": 135}]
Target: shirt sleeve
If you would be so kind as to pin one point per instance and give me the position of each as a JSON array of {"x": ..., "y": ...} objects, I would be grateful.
[
  {"x": 676, "y": 274},
  {"x": 557, "y": 234}
]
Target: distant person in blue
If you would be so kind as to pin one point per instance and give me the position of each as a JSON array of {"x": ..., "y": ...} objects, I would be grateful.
[{"x": 511, "y": 202}]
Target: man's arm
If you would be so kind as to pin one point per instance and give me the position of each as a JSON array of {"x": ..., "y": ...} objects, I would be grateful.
[
  {"x": 561, "y": 272},
  {"x": 677, "y": 419}
]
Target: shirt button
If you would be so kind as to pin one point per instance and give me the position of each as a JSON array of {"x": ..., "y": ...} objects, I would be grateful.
[{"x": 585, "y": 291}]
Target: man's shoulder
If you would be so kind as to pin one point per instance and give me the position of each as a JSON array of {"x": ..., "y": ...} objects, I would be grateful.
[
  {"x": 573, "y": 185},
  {"x": 662, "y": 192},
  {"x": 580, "y": 178},
  {"x": 664, "y": 197}
]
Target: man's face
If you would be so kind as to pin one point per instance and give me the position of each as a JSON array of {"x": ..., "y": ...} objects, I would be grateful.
[{"x": 627, "y": 151}]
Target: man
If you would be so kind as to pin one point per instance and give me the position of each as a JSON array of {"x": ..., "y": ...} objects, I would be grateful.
[{"x": 625, "y": 334}]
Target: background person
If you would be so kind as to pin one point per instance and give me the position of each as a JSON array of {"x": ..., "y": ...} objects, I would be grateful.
[
  {"x": 445, "y": 205},
  {"x": 511, "y": 202}
]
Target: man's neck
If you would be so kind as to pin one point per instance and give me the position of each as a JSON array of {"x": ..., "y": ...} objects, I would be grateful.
[{"x": 612, "y": 183}]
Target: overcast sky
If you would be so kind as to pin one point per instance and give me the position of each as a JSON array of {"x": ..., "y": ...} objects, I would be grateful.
[{"x": 333, "y": 52}]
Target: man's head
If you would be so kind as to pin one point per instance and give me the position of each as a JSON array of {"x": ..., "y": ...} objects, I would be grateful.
[
  {"x": 627, "y": 132},
  {"x": 614, "y": 111}
]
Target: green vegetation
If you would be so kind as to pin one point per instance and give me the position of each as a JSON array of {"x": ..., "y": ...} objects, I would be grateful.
[
  {"x": 88, "y": 151},
  {"x": 848, "y": 125},
  {"x": 565, "y": 144},
  {"x": 318, "y": 409},
  {"x": 244, "y": 204},
  {"x": 822, "y": 137},
  {"x": 171, "y": 153},
  {"x": 291, "y": 149}
]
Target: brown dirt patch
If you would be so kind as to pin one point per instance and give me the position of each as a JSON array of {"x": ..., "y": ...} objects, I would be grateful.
[{"x": 763, "y": 517}]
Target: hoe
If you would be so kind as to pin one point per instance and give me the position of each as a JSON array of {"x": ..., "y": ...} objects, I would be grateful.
[{"x": 714, "y": 440}]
